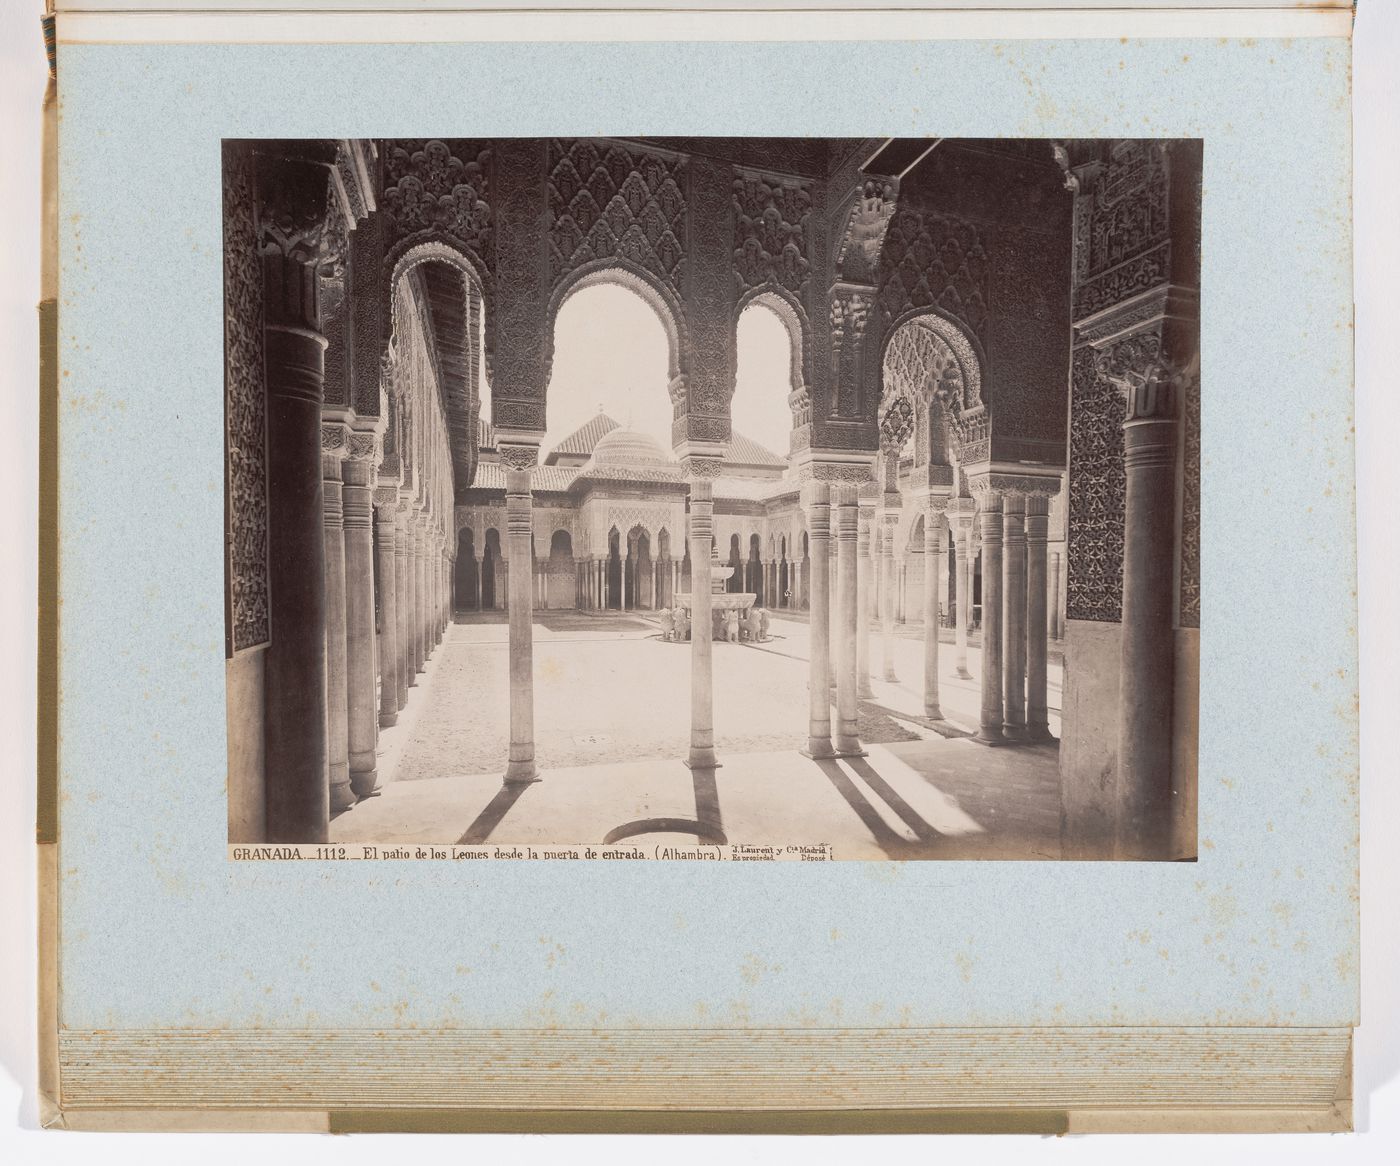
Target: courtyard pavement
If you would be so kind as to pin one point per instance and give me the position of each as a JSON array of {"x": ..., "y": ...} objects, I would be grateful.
[{"x": 612, "y": 715}]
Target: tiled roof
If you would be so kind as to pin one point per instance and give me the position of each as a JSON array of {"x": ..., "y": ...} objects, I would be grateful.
[
  {"x": 753, "y": 489},
  {"x": 584, "y": 438},
  {"x": 748, "y": 452},
  {"x": 492, "y": 476}
]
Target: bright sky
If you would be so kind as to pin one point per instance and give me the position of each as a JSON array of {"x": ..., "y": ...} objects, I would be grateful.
[{"x": 610, "y": 350}]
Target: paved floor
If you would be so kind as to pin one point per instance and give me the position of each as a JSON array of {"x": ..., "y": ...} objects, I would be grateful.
[{"x": 612, "y": 722}]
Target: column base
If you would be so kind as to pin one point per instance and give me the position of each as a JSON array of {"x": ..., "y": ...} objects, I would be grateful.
[
  {"x": 703, "y": 759},
  {"x": 342, "y": 797},
  {"x": 963, "y": 674},
  {"x": 818, "y": 750},
  {"x": 1013, "y": 732},
  {"x": 849, "y": 747},
  {"x": 890, "y": 677},
  {"x": 990, "y": 737},
  {"x": 521, "y": 772},
  {"x": 865, "y": 692},
  {"x": 1041, "y": 735},
  {"x": 388, "y": 720},
  {"x": 933, "y": 712},
  {"x": 365, "y": 783}
]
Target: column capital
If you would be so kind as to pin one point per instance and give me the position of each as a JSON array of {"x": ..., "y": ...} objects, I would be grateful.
[
  {"x": 335, "y": 438},
  {"x": 1152, "y": 384},
  {"x": 815, "y": 493},
  {"x": 517, "y": 454}
]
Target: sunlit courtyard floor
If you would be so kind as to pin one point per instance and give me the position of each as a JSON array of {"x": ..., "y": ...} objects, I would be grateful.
[{"x": 612, "y": 717}]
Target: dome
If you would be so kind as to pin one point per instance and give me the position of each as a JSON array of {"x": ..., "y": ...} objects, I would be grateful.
[{"x": 627, "y": 449}]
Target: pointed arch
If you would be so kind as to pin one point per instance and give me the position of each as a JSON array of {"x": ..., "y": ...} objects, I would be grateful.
[{"x": 618, "y": 272}]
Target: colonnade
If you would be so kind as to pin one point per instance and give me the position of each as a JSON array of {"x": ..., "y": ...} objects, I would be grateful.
[
  {"x": 1014, "y": 527},
  {"x": 413, "y": 566}
]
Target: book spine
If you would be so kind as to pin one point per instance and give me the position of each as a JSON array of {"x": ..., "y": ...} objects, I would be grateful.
[{"x": 46, "y": 823}]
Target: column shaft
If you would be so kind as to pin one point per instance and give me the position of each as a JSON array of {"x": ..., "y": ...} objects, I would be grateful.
[
  {"x": 1148, "y": 662},
  {"x": 847, "y": 703},
  {"x": 520, "y": 766},
  {"x": 933, "y": 571},
  {"x": 337, "y": 738},
  {"x": 963, "y": 619},
  {"x": 889, "y": 594},
  {"x": 702, "y": 732},
  {"x": 818, "y": 506},
  {"x": 1014, "y": 618},
  {"x": 298, "y": 806},
  {"x": 363, "y": 722},
  {"x": 403, "y": 579},
  {"x": 865, "y": 601},
  {"x": 388, "y": 619},
  {"x": 989, "y": 731},
  {"x": 1055, "y": 628},
  {"x": 1037, "y": 634}
]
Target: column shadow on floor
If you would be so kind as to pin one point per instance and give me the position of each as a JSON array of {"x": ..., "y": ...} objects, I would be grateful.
[
  {"x": 890, "y": 842},
  {"x": 496, "y": 810}
]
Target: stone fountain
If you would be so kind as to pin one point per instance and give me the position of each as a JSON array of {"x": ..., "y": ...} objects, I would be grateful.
[{"x": 722, "y": 602}]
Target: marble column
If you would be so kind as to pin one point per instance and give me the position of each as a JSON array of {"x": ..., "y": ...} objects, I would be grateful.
[
  {"x": 817, "y": 503},
  {"x": 1037, "y": 633},
  {"x": 847, "y": 702},
  {"x": 963, "y": 620},
  {"x": 403, "y": 579},
  {"x": 1013, "y": 661},
  {"x": 386, "y": 529},
  {"x": 702, "y": 730},
  {"x": 889, "y": 522},
  {"x": 420, "y": 599},
  {"x": 292, "y": 187},
  {"x": 333, "y": 440},
  {"x": 989, "y": 729},
  {"x": 1055, "y": 627},
  {"x": 834, "y": 621},
  {"x": 934, "y": 533},
  {"x": 1148, "y": 650},
  {"x": 865, "y": 599},
  {"x": 520, "y": 767},
  {"x": 363, "y": 722}
]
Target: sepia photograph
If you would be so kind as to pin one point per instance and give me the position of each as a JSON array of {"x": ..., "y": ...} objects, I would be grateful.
[{"x": 712, "y": 499}]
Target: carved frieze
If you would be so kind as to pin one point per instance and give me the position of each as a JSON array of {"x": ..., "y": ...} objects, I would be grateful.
[
  {"x": 245, "y": 411},
  {"x": 1121, "y": 225},
  {"x": 609, "y": 201}
]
